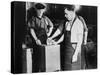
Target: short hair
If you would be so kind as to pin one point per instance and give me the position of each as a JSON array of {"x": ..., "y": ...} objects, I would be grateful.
[
  {"x": 70, "y": 7},
  {"x": 40, "y": 6}
]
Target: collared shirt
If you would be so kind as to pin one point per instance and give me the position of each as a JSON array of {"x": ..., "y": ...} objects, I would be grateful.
[
  {"x": 39, "y": 24},
  {"x": 76, "y": 30}
]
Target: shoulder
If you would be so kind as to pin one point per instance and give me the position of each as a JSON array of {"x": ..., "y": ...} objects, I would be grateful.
[
  {"x": 78, "y": 25},
  {"x": 81, "y": 19},
  {"x": 84, "y": 23},
  {"x": 31, "y": 22},
  {"x": 33, "y": 18},
  {"x": 46, "y": 18},
  {"x": 79, "y": 22},
  {"x": 48, "y": 21}
]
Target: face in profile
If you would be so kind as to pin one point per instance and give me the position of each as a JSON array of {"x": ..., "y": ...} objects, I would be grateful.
[
  {"x": 68, "y": 14},
  {"x": 40, "y": 12}
]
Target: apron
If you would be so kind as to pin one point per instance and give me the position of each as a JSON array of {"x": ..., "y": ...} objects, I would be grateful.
[
  {"x": 38, "y": 51},
  {"x": 38, "y": 54},
  {"x": 68, "y": 53}
]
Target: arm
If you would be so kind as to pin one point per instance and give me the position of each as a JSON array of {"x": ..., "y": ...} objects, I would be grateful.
[
  {"x": 85, "y": 30},
  {"x": 79, "y": 42},
  {"x": 49, "y": 40},
  {"x": 38, "y": 42},
  {"x": 61, "y": 39},
  {"x": 50, "y": 31},
  {"x": 80, "y": 32},
  {"x": 78, "y": 49},
  {"x": 85, "y": 37},
  {"x": 31, "y": 26},
  {"x": 85, "y": 34},
  {"x": 48, "y": 22},
  {"x": 57, "y": 32},
  {"x": 33, "y": 34}
]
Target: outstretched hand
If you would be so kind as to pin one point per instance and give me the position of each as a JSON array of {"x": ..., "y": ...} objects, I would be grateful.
[{"x": 38, "y": 42}]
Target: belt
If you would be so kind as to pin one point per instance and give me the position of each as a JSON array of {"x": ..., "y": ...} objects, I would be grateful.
[{"x": 74, "y": 43}]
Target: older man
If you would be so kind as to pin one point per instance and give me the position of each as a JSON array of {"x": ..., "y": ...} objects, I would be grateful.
[{"x": 74, "y": 35}]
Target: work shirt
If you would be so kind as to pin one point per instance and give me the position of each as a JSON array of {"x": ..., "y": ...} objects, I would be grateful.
[
  {"x": 40, "y": 23},
  {"x": 76, "y": 29},
  {"x": 41, "y": 27}
]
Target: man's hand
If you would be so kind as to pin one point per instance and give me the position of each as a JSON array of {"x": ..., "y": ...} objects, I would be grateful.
[
  {"x": 54, "y": 42},
  {"x": 85, "y": 42},
  {"x": 75, "y": 58},
  {"x": 49, "y": 41},
  {"x": 38, "y": 42}
]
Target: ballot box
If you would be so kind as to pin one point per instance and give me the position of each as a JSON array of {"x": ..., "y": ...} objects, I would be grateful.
[
  {"x": 52, "y": 58},
  {"x": 48, "y": 58}
]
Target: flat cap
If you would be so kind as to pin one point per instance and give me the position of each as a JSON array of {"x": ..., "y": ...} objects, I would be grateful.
[{"x": 40, "y": 6}]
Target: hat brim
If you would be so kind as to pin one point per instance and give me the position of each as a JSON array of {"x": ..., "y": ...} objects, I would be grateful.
[{"x": 40, "y": 6}]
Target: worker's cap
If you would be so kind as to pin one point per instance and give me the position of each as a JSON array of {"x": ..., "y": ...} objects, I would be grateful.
[{"x": 40, "y": 6}]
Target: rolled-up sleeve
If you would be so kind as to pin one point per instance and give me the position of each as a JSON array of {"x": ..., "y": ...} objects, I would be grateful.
[
  {"x": 31, "y": 23},
  {"x": 48, "y": 22},
  {"x": 61, "y": 28}
]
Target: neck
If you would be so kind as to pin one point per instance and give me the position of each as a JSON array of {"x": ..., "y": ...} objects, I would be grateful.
[{"x": 39, "y": 16}]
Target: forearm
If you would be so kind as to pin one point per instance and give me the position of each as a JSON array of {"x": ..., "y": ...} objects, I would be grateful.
[
  {"x": 50, "y": 31},
  {"x": 85, "y": 37},
  {"x": 55, "y": 34},
  {"x": 61, "y": 39},
  {"x": 78, "y": 46},
  {"x": 33, "y": 34}
]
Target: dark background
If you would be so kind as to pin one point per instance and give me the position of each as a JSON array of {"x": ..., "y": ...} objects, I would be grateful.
[{"x": 18, "y": 15}]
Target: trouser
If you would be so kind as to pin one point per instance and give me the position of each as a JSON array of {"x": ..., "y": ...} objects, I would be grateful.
[{"x": 38, "y": 61}]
